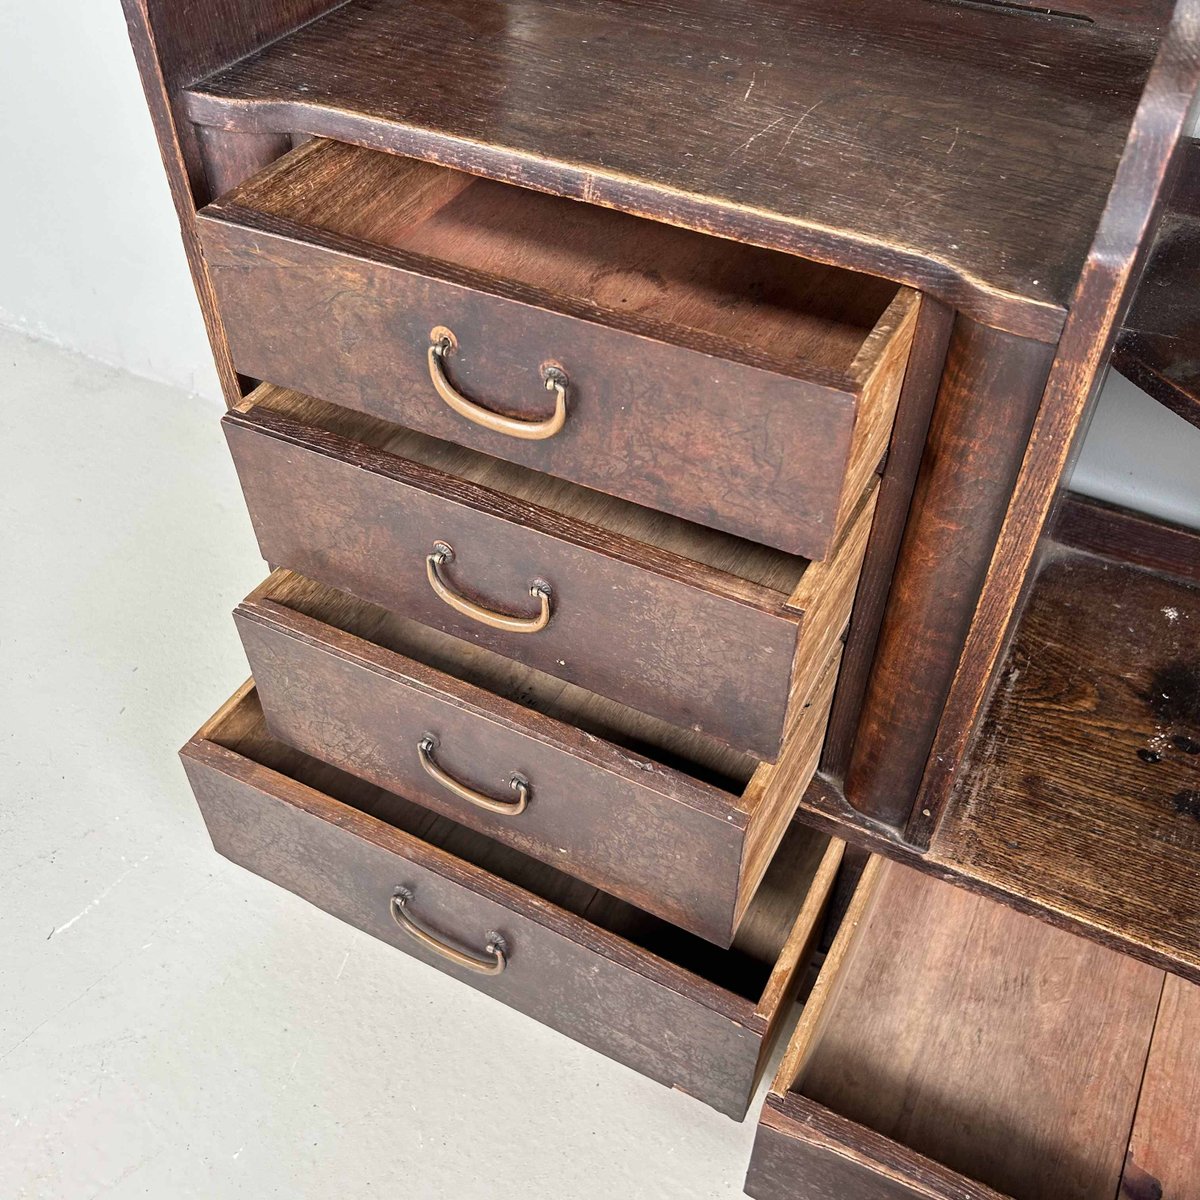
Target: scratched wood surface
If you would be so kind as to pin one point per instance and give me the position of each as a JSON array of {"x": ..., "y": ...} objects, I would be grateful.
[
  {"x": 1083, "y": 790},
  {"x": 964, "y": 148}
]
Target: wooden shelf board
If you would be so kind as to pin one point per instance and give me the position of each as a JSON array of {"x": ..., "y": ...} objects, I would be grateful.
[
  {"x": 1159, "y": 347},
  {"x": 966, "y": 149},
  {"x": 1083, "y": 788}
]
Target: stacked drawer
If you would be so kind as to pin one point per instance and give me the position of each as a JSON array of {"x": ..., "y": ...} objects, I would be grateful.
[{"x": 568, "y": 511}]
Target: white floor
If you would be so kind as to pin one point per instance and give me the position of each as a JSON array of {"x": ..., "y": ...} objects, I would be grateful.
[{"x": 171, "y": 1026}]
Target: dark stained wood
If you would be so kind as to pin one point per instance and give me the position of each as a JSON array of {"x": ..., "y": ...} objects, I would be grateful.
[
  {"x": 1128, "y": 536},
  {"x": 1163, "y": 1162},
  {"x": 232, "y": 158},
  {"x": 930, "y": 341},
  {"x": 964, "y": 149},
  {"x": 990, "y": 391},
  {"x": 175, "y": 45},
  {"x": 804, "y": 1150},
  {"x": 670, "y": 1006},
  {"x": 683, "y": 623},
  {"x": 1102, "y": 295},
  {"x": 1159, "y": 345},
  {"x": 996, "y": 1057},
  {"x": 736, "y": 387},
  {"x": 614, "y": 795},
  {"x": 1083, "y": 789}
]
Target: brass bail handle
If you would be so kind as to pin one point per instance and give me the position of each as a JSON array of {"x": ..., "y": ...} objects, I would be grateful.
[
  {"x": 442, "y": 343},
  {"x": 539, "y": 589},
  {"x": 505, "y": 808},
  {"x": 492, "y": 961}
]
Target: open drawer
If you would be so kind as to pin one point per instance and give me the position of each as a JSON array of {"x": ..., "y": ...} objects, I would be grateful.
[
  {"x": 651, "y": 996},
  {"x": 698, "y": 628},
  {"x": 664, "y": 818},
  {"x": 739, "y": 388},
  {"x": 954, "y": 1049}
]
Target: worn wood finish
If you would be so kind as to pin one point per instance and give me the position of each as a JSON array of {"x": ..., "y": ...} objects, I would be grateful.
[
  {"x": 1101, "y": 297},
  {"x": 638, "y": 614},
  {"x": 639, "y": 991},
  {"x": 990, "y": 391},
  {"x": 1159, "y": 344},
  {"x": 175, "y": 45},
  {"x": 964, "y": 149},
  {"x": 657, "y": 816},
  {"x": 231, "y": 158},
  {"x": 1163, "y": 1161},
  {"x": 1128, "y": 536},
  {"x": 739, "y": 388},
  {"x": 930, "y": 342},
  {"x": 996, "y": 1057},
  {"x": 1083, "y": 790}
]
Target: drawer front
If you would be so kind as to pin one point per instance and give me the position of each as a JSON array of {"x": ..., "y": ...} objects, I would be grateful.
[
  {"x": 677, "y": 428},
  {"x": 626, "y": 621},
  {"x": 639, "y": 830},
  {"x": 564, "y": 972}
]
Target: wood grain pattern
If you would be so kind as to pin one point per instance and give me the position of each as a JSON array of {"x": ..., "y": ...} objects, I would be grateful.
[
  {"x": 967, "y": 472},
  {"x": 634, "y": 620},
  {"x": 669, "y": 1006},
  {"x": 1083, "y": 790},
  {"x": 996, "y": 1057},
  {"x": 964, "y": 149},
  {"x": 1159, "y": 344},
  {"x": 334, "y": 266},
  {"x": 657, "y": 816},
  {"x": 1163, "y": 1161},
  {"x": 931, "y": 339},
  {"x": 1102, "y": 295},
  {"x": 1128, "y": 536}
]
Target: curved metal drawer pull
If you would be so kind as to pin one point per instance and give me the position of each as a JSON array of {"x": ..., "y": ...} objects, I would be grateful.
[
  {"x": 441, "y": 342},
  {"x": 443, "y": 554},
  {"x": 506, "y": 808},
  {"x": 492, "y": 961}
]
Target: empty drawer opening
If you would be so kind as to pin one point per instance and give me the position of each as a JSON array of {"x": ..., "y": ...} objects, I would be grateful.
[
  {"x": 680, "y": 749},
  {"x": 786, "y": 312},
  {"x": 1005, "y": 1051},
  {"x": 762, "y": 567},
  {"x": 744, "y": 970}
]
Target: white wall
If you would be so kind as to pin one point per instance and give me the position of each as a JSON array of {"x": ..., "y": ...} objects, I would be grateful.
[{"x": 90, "y": 255}]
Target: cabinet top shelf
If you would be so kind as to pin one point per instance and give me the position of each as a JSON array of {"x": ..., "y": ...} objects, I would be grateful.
[{"x": 963, "y": 148}]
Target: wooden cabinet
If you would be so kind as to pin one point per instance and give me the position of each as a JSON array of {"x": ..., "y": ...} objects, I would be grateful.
[{"x": 656, "y": 419}]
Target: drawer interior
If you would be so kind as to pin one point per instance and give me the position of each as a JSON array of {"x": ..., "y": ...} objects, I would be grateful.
[
  {"x": 784, "y": 312},
  {"x": 999, "y": 1049},
  {"x": 745, "y": 970},
  {"x": 762, "y": 567},
  {"x": 683, "y": 750}
]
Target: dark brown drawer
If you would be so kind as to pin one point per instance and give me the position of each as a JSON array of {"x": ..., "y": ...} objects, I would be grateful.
[
  {"x": 739, "y": 388},
  {"x": 660, "y": 1000},
  {"x": 954, "y": 1049},
  {"x": 698, "y": 628},
  {"x": 665, "y": 819}
]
